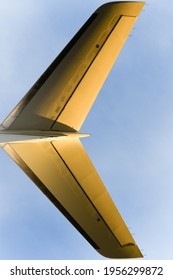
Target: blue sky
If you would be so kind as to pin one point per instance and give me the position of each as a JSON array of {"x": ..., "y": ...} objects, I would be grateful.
[{"x": 131, "y": 124}]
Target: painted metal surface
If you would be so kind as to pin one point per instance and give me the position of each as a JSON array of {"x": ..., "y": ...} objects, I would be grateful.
[{"x": 42, "y": 133}]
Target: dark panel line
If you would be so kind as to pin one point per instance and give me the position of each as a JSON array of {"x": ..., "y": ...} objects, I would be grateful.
[
  {"x": 99, "y": 216},
  {"x": 85, "y": 72}
]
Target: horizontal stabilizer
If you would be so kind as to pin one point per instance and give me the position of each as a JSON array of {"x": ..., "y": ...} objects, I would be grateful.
[
  {"x": 64, "y": 94},
  {"x": 64, "y": 173}
]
